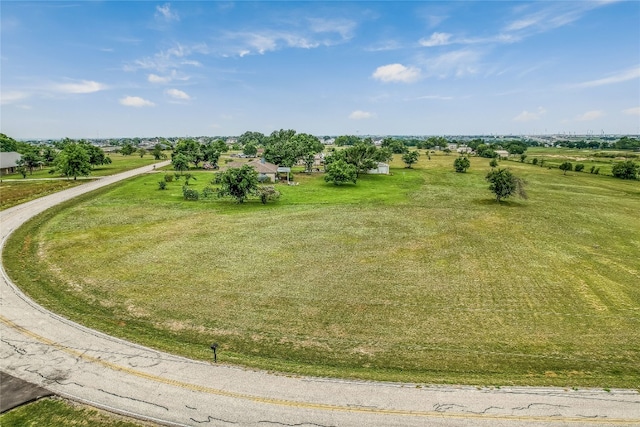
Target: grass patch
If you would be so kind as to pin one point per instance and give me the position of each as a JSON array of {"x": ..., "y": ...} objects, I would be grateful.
[
  {"x": 62, "y": 413},
  {"x": 13, "y": 193},
  {"x": 419, "y": 276}
]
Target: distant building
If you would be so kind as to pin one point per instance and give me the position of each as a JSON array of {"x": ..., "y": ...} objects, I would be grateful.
[
  {"x": 9, "y": 162},
  {"x": 502, "y": 153},
  {"x": 382, "y": 169},
  {"x": 261, "y": 166}
]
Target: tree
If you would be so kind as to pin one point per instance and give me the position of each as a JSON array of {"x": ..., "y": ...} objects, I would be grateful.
[
  {"x": 461, "y": 164},
  {"x": 73, "y": 161},
  {"x": 127, "y": 149},
  {"x": 522, "y": 157},
  {"x": 625, "y": 170},
  {"x": 494, "y": 163},
  {"x": 239, "y": 183},
  {"x": 286, "y": 148},
  {"x": 191, "y": 149},
  {"x": 268, "y": 192},
  {"x": 250, "y": 150},
  {"x": 340, "y": 172},
  {"x": 565, "y": 166},
  {"x": 410, "y": 158},
  {"x": 346, "y": 140},
  {"x": 395, "y": 145},
  {"x": 180, "y": 162},
  {"x": 253, "y": 138},
  {"x": 141, "y": 152},
  {"x": 579, "y": 167},
  {"x": 7, "y": 143},
  {"x": 504, "y": 184},
  {"x": 96, "y": 155},
  {"x": 157, "y": 152},
  {"x": 30, "y": 160}
]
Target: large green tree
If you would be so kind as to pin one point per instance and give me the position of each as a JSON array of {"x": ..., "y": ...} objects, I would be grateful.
[
  {"x": 505, "y": 184},
  {"x": 341, "y": 172},
  {"x": 363, "y": 156},
  {"x": 238, "y": 183},
  {"x": 191, "y": 149},
  {"x": 625, "y": 170},
  {"x": 30, "y": 159},
  {"x": 286, "y": 147},
  {"x": 253, "y": 138},
  {"x": 72, "y": 161}
]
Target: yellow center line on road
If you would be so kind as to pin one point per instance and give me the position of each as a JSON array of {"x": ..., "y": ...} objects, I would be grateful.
[{"x": 307, "y": 405}]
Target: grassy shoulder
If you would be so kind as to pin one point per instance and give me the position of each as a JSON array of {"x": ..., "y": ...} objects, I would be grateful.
[
  {"x": 62, "y": 413},
  {"x": 419, "y": 276}
]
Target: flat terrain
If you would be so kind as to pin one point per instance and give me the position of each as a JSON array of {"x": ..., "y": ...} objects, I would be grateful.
[{"x": 420, "y": 276}]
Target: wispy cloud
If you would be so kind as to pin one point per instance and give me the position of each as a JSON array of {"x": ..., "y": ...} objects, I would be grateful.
[
  {"x": 619, "y": 77},
  {"x": 590, "y": 115},
  {"x": 136, "y": 101},
  {"x": 396, "y": 73},
  {"x": 164, "y": 13},
  {"x": 360, "y": 115},
  {"x": 634, "y": 111},
  {"x": 12, "y": 97},
  {"x": 84, "y": 86},
  {"x": 528, "y": 116},
  {"x": 434, "y": 97},
  {"x": 551, "y": 15},
  {"x": 172, "y": 58},
  {"x": 436, "y": 39},
  {"x": 459, "y": 63},
  {"x": 177, "y": 94}
]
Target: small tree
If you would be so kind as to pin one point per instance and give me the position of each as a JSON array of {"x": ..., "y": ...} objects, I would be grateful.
[
  {"x": 238, "y": 183},
  {"x": 410, "y": 158},
  {"x": 180, "y": 162},
  {"x": 142, "y": 152},
  {"x": 625, "y": 170},
  {"x": 566, "y": 166},
  {"x": 190, "y": 193},
  {"x": 504, "y": 184},
  {"x": 461, "y": 164},
  {"x": 73, "y": 161},
  {"x": 268, "y": 192},
  {"x": 340, "y": 172},
  {"x": 534, "y": 161},
  {"x": 579, "y": 167},
  {"x": 162, "y": 185},
  {"x": 494, "y": 163},
  {"x": 522, "y": 157}
]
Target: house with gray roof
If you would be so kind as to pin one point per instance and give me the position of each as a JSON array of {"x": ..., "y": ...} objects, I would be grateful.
[{"x": 9, "y": 162}]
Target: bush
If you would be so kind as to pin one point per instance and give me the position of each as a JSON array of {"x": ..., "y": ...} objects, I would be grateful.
[
  {"x": 162, "y": 185},
  {"x": 579, "y": 167},
  {"x": 566, "y": 166},
  {"x": 169, "y": 177},
  {"x": 461, "y": 164},
  {"x": 625, "y": 170},
  {"x": 268, "y": 192},
  {"x": 208, "y": 192},
  {"x": 190, "y": 194},
  {"x": 534, "y": 161}
]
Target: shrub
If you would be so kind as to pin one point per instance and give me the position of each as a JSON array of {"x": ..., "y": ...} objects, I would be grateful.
[
  {"x": 268, "y": 192},
  {"x": 579, "y": 167},
  {"x": 461, "y": 164},
  {"x": 625, "y": 170},
  {"x": 190, "y": 194},
  {"x": 162, "y": 185},
  {"x": 534, "y": 161},
  {"x": 208, "y": 192},
  {"x": 169, "y": 177},
  {"x": 566, "y": 166}
]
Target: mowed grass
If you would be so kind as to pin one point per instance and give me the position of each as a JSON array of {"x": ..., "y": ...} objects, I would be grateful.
[
  {"x": 20, "y": 190},
  {"x": 420, "y": 276},
  {"x": 62, "y": 413}
]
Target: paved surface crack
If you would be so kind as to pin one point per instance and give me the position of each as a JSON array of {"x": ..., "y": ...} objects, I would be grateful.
[{"x": 134, "y": 399}]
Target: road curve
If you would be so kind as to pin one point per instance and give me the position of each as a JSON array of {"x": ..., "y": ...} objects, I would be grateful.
[{"x": 85, "y": 365}]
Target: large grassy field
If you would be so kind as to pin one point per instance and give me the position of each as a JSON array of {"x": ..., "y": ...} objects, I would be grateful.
[{"x": 419, "y": 276}]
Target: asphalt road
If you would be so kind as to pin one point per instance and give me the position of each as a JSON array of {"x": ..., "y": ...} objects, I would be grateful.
[{"x": 75, "y": 362}]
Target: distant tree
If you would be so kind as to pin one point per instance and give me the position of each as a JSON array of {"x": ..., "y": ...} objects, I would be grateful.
[
  {"x": 565, "y": 166},
  {"x": 346, "y": 140},
  {"x": 127, "y": 149},
  {"x": 251, "y": 138},
  {"x": 522, "y": 157},
  {"x": 142, "y": 152},
  {"x": 191, "y": 149},
  {"x": 494, "y": 162},
  {"x": 504, "y": 184},
  {"x": 73, "y": 161},
  {"x": 410, "y": 158},
  {"x": 340, "y": 172},
  {"x": 7, "y": 143},
  {"x": 250, "y": 150},
  {"x": 579, "y": 167},
  {"x": 395, "y": 145},
  {"x": 157, "y": 152},
  {"x": 461, "y": 164},
  {"x": 238, "y": 183},
  {"x": 534, "y": 161},
  {"x": 21, "y": 168},
  {"x": 180, "y": 162},
  {"x": 97, "y": 155},
  {"x": 625, "y": 170},
  {"x": 30, "y": 160}
]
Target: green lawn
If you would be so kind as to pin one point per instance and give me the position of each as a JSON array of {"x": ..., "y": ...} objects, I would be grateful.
[
  {"x": 14, "y": 189},
  {"x": 419, "y": 276},
  {"x": 61, "y": 413}
]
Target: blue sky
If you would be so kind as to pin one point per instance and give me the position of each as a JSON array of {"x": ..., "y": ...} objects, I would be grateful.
[{"x": 111, "y": 69}]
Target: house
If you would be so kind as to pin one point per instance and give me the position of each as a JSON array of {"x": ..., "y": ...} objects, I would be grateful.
[
  {"x": 9, "y": 162},
  {"x": 502, "y": 153},
  {"x": 382, "y": 169},
  {"x": 463, "y": 149},
  {"x": 261, "y": 166}
]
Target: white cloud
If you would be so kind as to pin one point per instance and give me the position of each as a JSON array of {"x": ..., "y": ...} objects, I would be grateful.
[
  {"x": 13, "y": 96},
  {"x": 437, "y": 97},
  {"x": 458, "y": 62},
  {"x": 344, "y": 27},
  {"x": 527, "y": 116},
  {"x": 619, "y": 77},
  {"x": 436, "y": 39},
  {"x": 153, "y": 78},
  {"x": 590, "y": 115},
  {"x": 177, "y": 94},
  {"x": 135, "y": 101},
  {"x": 634, "y": 111},
  {"x": 397, "y": 73},
  {"x": 85, "y": 86},
  {"x": 164, "y": 12},
  {"x": 360, "y": 115}
]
